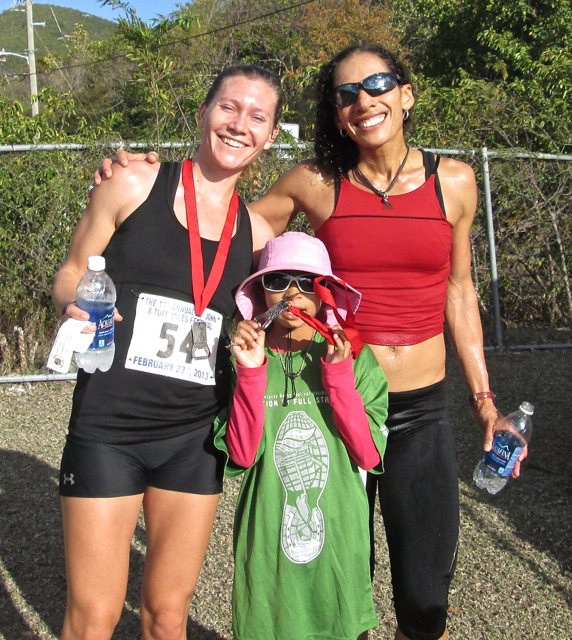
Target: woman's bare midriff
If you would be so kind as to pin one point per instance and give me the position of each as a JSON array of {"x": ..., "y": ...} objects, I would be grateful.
[{"x": 414, "y": 366}]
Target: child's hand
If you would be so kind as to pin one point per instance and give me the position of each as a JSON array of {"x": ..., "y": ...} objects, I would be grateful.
[
  {"x": 246, "y": 333},
  {"x": 248, "y": 348},
  {"x": 342, "y": 350}
]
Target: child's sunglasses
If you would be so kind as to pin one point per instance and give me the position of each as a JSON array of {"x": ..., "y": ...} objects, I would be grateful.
[
  {"x": 375, "y": 85},
  {"x": 278, "y": 282}
]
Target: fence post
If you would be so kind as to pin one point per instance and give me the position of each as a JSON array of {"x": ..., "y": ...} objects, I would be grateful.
[{"x": 492, "y": 249}]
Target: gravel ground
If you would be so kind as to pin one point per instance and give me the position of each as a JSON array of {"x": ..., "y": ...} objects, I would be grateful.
[{"x": 514, "y": 576}]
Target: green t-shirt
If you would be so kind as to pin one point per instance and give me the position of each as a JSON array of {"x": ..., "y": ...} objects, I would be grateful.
[{"x": 301, "y": 534}]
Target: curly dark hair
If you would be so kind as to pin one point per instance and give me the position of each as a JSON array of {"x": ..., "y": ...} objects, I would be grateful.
[
  {"x": 337, "y": 154},
  {"x": 252, "y": 72}
]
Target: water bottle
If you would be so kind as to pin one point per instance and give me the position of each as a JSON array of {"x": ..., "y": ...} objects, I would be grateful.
[
  {"x": 511, "y": 435},
  {"x": 96, "y": 295}
]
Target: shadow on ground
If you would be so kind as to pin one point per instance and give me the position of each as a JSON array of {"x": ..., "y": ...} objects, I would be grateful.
[
  {"x": 514, "y": 576},
  {"x": 537, "y": 505},
  {"x": 31, "y": 552}
]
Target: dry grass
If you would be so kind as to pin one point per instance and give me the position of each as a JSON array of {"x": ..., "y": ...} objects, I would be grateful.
[{"x": 514, "y": 577}]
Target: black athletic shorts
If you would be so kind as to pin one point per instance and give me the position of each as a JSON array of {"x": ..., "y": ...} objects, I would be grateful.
[
  {"x": 189, "y": 463},
  {"x": 419, "y": 499}
]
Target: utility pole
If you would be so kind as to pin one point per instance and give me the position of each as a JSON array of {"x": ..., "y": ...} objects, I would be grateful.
[{"x": 32, "y": 59}]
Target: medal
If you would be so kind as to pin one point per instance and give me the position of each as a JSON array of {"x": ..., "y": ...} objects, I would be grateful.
[
  {"x": 203, "y": 292},
  {"x": 199, "y": 331},
  {"x": 265, "y": 319}
]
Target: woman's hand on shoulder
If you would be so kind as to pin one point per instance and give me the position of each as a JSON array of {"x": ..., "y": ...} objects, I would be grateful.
[
  {"x": 122, "y": 194},
  {"x": 106, "y": 170},
  {"x": 248, "y": 344}
]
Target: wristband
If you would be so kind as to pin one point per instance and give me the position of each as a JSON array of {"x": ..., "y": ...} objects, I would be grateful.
[{"x": 481, "y": 395}]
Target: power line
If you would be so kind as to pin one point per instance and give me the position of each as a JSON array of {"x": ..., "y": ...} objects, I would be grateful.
[
  {"x": 168, "y": 44},
  {"x": 66, "y": 80},
  {"x": 237, "y": 24}
]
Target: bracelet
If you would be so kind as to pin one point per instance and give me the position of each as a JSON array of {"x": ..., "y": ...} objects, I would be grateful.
[{"x": 481, "y": 395}]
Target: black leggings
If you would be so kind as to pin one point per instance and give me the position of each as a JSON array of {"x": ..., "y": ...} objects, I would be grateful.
[{"x": 419, "y": 499}]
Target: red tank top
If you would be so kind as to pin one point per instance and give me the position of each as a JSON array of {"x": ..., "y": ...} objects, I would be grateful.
[{"x": 397, "y": 255}]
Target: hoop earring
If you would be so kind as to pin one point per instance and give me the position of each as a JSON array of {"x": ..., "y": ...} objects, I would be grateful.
[
  {"x": 343, "y": 133},
  {"x": 406, "y": 115}
]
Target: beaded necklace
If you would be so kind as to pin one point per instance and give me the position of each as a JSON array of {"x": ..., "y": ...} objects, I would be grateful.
[{"x": 287, "y": 366}]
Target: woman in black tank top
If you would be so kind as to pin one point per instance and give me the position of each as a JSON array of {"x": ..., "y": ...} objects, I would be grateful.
[{"x": 140, "y": 433}]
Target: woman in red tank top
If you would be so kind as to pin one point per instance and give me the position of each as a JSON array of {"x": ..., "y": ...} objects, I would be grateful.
[{"x": 396, "y": 223}]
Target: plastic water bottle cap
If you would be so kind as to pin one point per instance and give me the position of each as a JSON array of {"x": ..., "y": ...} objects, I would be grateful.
[
  {"x": 96, "y": 263},
  {"x": 527, "y": 408}
]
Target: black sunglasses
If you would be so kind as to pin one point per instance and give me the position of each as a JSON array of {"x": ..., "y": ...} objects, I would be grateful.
[
  {"x": 375, "y": 85},
  {"x": 278, "y": 282}
]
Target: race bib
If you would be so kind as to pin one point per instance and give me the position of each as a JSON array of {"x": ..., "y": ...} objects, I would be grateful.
[{"x": 170, "y": 340}]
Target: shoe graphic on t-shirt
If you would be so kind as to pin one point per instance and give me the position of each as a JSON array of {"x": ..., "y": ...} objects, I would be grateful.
[{"x": 302, "y": 460}]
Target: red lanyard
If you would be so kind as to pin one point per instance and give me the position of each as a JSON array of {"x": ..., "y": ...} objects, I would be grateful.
[
  {"x": 202, "y": 293},
  {"x": 348, "y": 325}
]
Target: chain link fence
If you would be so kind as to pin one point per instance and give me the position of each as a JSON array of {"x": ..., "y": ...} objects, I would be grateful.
[
  {"x": 522, "y": 248},
  {"x": 521, "y": 240}
]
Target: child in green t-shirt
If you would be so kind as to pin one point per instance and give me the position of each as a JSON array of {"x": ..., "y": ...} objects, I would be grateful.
[{"x": 305, "y": 418}]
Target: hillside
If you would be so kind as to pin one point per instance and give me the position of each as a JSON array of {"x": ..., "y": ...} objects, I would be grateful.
[{"x": 48, "y": 38}]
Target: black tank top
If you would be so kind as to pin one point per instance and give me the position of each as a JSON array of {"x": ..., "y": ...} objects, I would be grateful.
[{"x": 149, "y": 253}]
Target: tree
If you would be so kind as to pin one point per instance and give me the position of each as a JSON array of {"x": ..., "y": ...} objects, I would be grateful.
[
  {"x": 76, "y": 70},
  {"x": 150, "y": 101},
  {"x": 492, "y": 39},
  {"x": 516, "y": 53}
]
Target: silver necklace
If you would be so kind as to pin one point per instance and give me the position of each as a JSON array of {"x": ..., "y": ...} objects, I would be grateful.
[
  {"x": 287, "y": 366},
  {"x": 384, "y": 195}
]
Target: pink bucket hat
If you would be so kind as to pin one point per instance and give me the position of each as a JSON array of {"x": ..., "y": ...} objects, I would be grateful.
[{"x": 294, "y": 251}]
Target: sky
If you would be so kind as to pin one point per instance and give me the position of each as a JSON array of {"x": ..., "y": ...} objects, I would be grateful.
[{"x": 146, "y": 9}]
